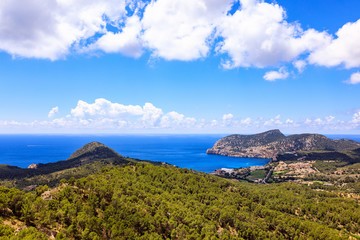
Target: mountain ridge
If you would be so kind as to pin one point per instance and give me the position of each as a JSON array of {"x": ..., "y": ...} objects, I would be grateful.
[
  {"x": 94, "y": 153},
  {"x": 262, "y": 146}
]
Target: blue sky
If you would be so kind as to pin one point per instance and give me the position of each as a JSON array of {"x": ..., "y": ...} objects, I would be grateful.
[{"x": 180, "y": 66}]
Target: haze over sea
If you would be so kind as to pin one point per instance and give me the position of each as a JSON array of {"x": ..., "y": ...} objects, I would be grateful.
[{"x": 187, "y": 151}]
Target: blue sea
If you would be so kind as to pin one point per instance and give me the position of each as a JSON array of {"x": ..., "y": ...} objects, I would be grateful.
[{"x": 188, "y": 151}]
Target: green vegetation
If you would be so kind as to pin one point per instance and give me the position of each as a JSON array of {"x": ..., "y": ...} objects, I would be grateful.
[
  {"x": 85, "y": 161},
  {"x": 346, "y": 157},
  {"x": 103, "y": 195},
  {"x": 280, "y": 172},
  {"x": 53, "y": 178},
  {"x": 257, "y": 174},
  {"x": 90, "y": 153},
  {"x": 244, "y": 141},
  {"x": 328, "y": 166},
  {"x": 143, "y": 201}
]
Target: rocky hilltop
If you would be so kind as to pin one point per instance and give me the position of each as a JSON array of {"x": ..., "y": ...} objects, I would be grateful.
[
  {"x": 94, "y": 150},
  {"x": 272, "y": 143}
]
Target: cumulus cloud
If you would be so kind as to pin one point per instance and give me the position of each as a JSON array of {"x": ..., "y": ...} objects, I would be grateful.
[
  {"x": 342, "y": 50},
  {"x": 227, "y": 119},
  {"x": 53, "y": 111},
  {"x": 151, "y": 115},
  {"x": 182, "y": 29},
  {"x": 327, "y": 123},
  {"x": 354, "y": 78},
  {"x": 50, "y": 29},
  {"x": 258, "y": 35},
  {"x": 174, "y": 119},
  {"x": 356, "y": 118},
  {"x": 300, "y": 65},
  {"x": 214, "y": 123},
  {"x": 329, "y": 118},
  {"x": 272, "y": 76},
  {"x": 104, "y": 108},
  {"x": 246, "y": 121},
  {"x": 307, "y": 121},
  {"x": 255, "y": 35},
  {"x": 273, "y": 122},
  {"x": 103, "y": 115},
  {"x": 126, "y": 42}
]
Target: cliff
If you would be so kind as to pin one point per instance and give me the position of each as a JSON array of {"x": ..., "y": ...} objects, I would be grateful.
[{"x": 272, "y": 143}]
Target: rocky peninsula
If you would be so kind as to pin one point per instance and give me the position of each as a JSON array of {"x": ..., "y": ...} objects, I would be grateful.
[{"x": 273, "y": 143}]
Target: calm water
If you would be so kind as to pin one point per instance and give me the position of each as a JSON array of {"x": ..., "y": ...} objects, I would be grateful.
[{"x": 187, "y": 151}]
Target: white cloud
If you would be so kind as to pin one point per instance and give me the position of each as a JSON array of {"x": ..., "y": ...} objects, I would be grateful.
[
  {"x": 213, "y": 123},
  {"x": 327, "y": 123},
  {"x": 300, "y": 65},
  {"x": 329, "y": 118},
  {"x": 276, "y": 75},
  {"x": 53, "y": 111},
  {"x": 174, "y": 119},
  {"x": 318, "y": 121},
  {"x": 227, "y": 119},
  {"x": 274, "y": 122},
  {"x": 342, "y": 50},
  {"x": 52, "y": 29},
  {"x": 151, "y": 115},
  {"x": 308, "y": 121},
  {"x": 181, "y": 29},
  {"x": 356, "y": 118},
  {"x": 354, "y": 78},
  {"x": 103, "y": 115},
  {"x": 126, "y": 42},
  {"x": 104, "y": 108},
  {"x": 246, "y": 121},
  {"x": 258, "y": 35},
  {"x": 255, "y": 35}
]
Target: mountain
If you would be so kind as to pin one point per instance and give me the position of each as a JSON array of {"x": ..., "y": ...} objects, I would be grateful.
[
  {"x": 272, "y": 143},
  {"x": 93, "y": 151},
  {"x": 86, "y": 160}
]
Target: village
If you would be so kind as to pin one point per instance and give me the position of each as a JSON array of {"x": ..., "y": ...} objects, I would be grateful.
[{"x": 278, "y": 172}]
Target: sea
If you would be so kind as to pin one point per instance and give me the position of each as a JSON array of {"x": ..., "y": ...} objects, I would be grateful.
[{"x": 186, "y": 151}]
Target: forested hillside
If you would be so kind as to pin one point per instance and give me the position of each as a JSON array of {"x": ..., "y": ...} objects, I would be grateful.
[{"x": 143, "y": 201}]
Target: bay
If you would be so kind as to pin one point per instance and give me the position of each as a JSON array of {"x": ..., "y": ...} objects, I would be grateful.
[{"x": 188, "y": 151}]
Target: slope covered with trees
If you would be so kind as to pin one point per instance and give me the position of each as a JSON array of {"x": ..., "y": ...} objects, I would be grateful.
[
  {"x": 143, "y": 201},
  {"x": 85, "y": 161}
]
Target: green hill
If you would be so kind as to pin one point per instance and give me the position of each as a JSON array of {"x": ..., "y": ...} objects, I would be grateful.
[
  {"x": 87, "y": 160},
  {"x": 143, "y": 201},
  {"x": 246, "y": 141},
  {"x": 93, "y": 151}
]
